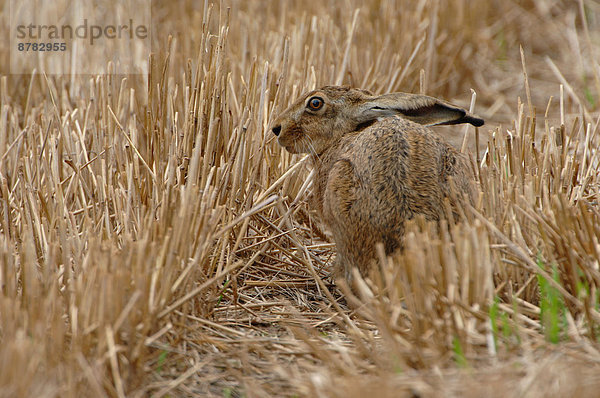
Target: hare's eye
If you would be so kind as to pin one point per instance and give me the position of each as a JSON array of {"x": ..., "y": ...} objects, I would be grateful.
[{"x": 315, "y": 103}]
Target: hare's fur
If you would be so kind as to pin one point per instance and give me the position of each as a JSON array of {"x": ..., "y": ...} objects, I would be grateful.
[{"x": 375, "y": 169}]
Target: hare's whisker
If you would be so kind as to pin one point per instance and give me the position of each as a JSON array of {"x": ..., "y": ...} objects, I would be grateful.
[{"x": 311, "y": 146}]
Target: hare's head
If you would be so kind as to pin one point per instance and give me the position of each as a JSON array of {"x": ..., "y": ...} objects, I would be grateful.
[{"x": 318, "y": 119}]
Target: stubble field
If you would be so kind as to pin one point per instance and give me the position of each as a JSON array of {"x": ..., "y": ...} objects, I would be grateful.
[{"x": 156, "y": 241}]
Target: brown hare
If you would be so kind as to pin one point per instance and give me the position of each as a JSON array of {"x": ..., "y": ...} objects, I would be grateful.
[{"x": 376, "y": 166}]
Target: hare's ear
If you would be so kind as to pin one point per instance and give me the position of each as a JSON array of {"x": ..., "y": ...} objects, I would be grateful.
[{"x": 417, "y": 108}]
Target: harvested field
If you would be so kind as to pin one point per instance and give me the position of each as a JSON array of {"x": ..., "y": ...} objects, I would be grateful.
[{"x": 156, "y": 241}]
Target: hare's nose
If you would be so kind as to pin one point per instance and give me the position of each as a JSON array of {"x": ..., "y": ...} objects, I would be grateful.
[{"x": 277, "y": 130}]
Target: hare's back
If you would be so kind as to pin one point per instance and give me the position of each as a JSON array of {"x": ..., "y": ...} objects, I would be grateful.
[
  {"x": 400, "y": 164},
  {"x": 398, "y": 149}
]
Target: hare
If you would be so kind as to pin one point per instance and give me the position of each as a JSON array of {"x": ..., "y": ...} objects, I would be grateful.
[{"x": 376, "y": 165}]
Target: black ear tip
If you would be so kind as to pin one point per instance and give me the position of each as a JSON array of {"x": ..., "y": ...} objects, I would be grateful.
[
  {"x": 477, "y": 122},
  {"x": 277, "y": 130},
  {"x": 466, "y": 118}
]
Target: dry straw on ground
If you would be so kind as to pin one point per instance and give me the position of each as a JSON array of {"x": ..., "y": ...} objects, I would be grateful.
[{"x": 155, "y": 241}]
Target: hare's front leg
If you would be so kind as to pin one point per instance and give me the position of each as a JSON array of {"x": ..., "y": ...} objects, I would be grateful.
[{"x": 347, "y": 213}]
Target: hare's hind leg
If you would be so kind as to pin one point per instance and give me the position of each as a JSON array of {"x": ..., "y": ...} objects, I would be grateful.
[{"x": 345, "y": 212}]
